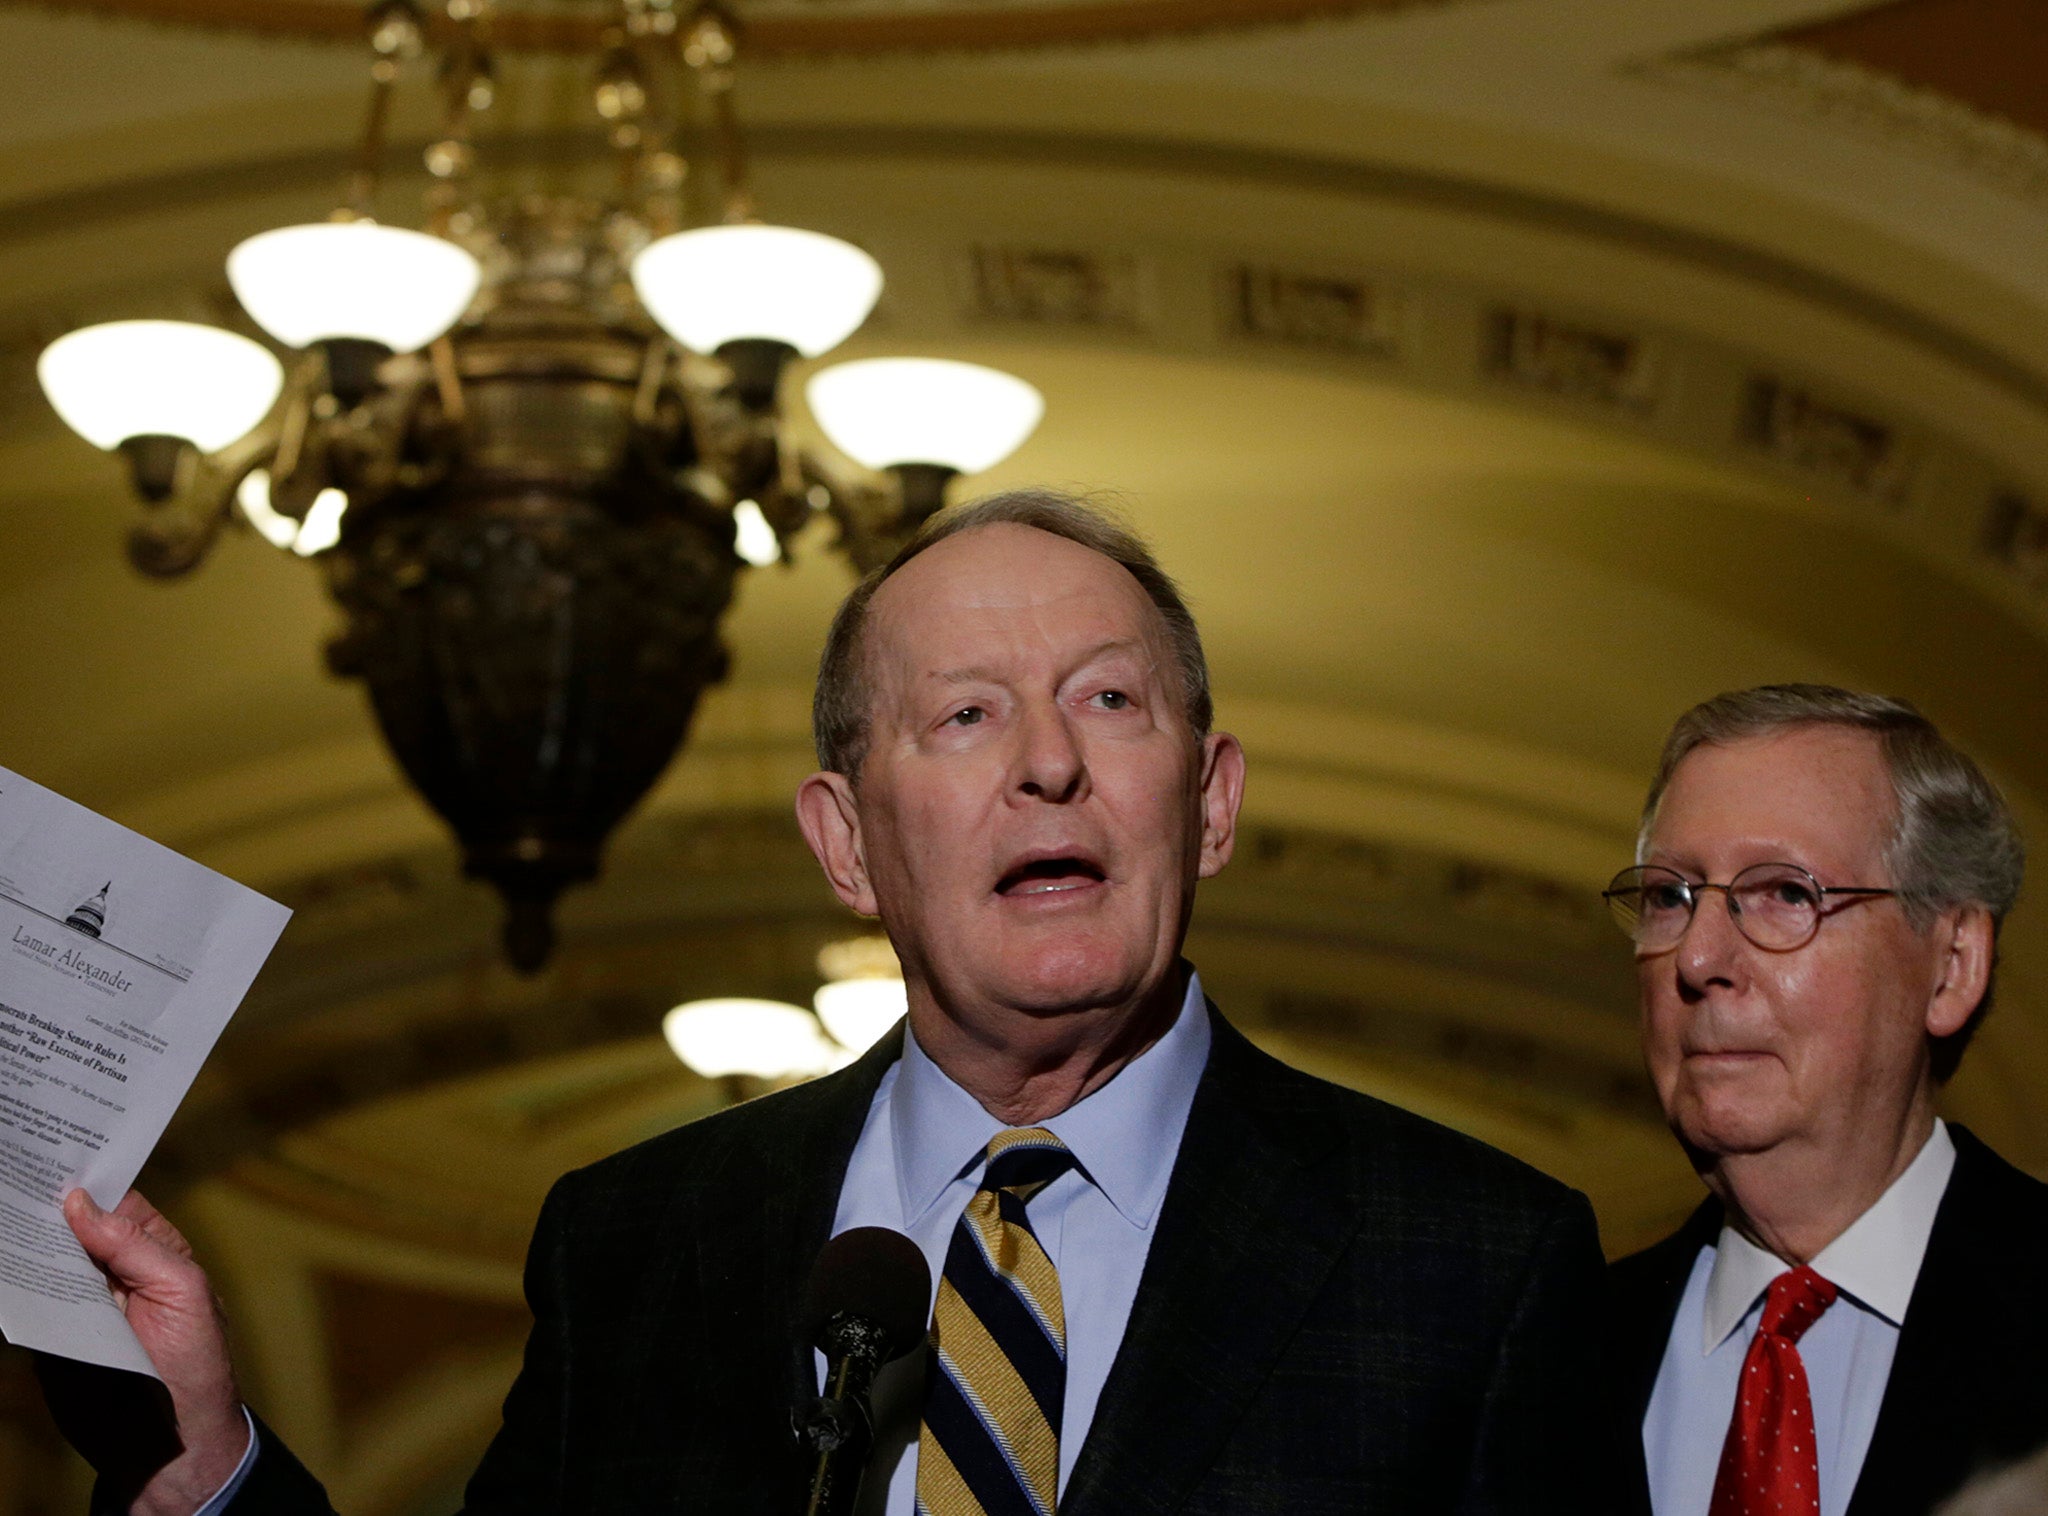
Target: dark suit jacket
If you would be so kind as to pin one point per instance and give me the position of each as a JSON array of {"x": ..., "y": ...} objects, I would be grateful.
[
  {"x": 1345, "y": 1309},
  {"x": 1969, "y": 1385}
]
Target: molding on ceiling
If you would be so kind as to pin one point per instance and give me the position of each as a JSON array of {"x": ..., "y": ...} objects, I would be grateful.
[
  {"x": 1893, "y": 458},
  {"x": 787, "y": 31},
  {"x": 75, "y": 210},
  {"x": 1863, "y": 102}
]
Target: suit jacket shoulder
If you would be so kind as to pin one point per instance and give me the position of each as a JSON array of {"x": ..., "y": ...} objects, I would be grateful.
[
  {"x": 1967, "y": 1391},
  {"x": 1349, "y": 1308}
]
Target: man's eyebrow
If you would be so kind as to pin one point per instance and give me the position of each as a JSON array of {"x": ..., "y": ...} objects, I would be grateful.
[{"x": 973, "y": 674}]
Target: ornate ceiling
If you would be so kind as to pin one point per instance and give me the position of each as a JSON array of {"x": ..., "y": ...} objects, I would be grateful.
[
  {"x": 1500, "y": 377},
  {"x": 782, "y": 28}
]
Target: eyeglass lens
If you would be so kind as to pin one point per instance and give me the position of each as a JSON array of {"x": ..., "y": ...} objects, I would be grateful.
[{"x": 1774, "y": 905}]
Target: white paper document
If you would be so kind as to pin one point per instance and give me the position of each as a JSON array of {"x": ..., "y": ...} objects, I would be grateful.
[{"x": 120, "y": 963}]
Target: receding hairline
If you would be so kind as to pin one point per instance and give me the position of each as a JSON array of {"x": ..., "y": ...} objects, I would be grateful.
[{"x": 1161, "y": 633}]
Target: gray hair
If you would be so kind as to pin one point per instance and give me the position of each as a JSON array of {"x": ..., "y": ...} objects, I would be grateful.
[
  {"x": 1953, "y": 840},
  {"x": 839, "y": 709}
]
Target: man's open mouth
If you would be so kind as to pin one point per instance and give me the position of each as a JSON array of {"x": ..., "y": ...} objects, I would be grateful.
[{"x": 1045, "y": 876}]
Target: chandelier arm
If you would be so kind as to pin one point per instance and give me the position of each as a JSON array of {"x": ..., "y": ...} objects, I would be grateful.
[
  {"x": 303, "y": 384},
  {"x": 867, "y": 512},
  {"x": 176, "y": 536},
  {"x": 655, "y": 366}
]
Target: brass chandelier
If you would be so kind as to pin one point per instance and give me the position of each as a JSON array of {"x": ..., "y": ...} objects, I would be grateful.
[{"x": 533, "y": 446}]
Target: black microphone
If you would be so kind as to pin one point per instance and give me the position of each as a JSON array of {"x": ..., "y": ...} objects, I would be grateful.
[{"x": 865, "y": 1306}]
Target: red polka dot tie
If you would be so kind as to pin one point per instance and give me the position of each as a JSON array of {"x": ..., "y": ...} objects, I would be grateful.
[{"x": 1768, "y": 1464}]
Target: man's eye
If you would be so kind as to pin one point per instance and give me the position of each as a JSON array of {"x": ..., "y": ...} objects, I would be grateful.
[
  {"x": 1664, "y": 897},
  {"x": 967, "y": 715},
  {"x": 1114, "y": 700}
]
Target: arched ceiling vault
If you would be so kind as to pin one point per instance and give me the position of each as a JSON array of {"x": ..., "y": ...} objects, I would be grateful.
[{"x": 1500, "y": 377}]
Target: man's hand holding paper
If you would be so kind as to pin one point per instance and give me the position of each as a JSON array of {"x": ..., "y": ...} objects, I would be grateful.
[
  {"x": 169, "y": 1305},
  {"x": 120, "y": 964}
]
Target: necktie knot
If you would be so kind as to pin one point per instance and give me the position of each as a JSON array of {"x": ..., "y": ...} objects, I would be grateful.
[
  {"x": 1024, "y": 1160},
  {"x": 1795, "y": 1302}
]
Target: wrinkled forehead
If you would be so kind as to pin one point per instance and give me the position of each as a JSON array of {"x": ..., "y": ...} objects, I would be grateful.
[
  {"x": 994, "y": 591},
  {"x": 1818, "y": 794}
]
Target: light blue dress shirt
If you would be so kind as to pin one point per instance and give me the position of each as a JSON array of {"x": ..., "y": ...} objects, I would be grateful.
[
  {"x": 1847, "y": 1352},
  {"x": 918, "y": 1162}
]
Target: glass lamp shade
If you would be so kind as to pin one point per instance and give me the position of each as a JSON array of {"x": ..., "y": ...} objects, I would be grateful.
[
  {"x": 857, "y": 1011},
  {"x": 885, "y": 412},
  {"x": 721, "y": 284},
  {"x": 130, "y": 379},
  {"x": 331, "y": 279},
  {"x": 762, "y": 1038}
]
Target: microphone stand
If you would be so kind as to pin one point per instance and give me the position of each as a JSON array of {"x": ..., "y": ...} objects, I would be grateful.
[{"x": 838, "y": 1427}]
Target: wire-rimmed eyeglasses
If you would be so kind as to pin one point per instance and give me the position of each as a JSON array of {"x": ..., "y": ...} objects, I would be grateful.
[{"x": 1777, "y": 906}]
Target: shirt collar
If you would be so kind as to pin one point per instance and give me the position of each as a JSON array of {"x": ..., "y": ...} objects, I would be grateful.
[
  {"x": 1124, "y": 1136},
  {"x": 1876, "y": 1260}
]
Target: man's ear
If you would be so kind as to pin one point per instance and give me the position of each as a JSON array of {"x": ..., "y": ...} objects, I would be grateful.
[
  {"x": 1222, "y": 794},
  {"x": 1966, "y": 942},
  {"x": 829, "y": 816}
]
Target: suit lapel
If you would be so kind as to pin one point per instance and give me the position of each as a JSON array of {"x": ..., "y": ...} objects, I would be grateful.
[
  {"x": 1246, "y": 1242},
  {"x": 757, "y": 1234},
  {"x": 1920, "y": 1448},
  {"x": 799, "y": 1218}
]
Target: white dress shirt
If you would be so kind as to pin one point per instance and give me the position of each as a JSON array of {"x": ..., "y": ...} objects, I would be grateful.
[
  {"x": 1847, "y": 1352},
  {"x": 918, "y": 1162}
]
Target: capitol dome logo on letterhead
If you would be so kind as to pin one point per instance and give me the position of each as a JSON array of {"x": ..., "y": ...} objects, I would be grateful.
[{"x": 90, "y": 916}]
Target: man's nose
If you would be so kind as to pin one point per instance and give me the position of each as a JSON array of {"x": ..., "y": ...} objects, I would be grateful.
[
  {"x": 1712, "y": 944},
  {"x": 1050, "y": 764}
]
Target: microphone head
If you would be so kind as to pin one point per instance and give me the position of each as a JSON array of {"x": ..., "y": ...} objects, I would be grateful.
[{"x": 874, "y": 1275}]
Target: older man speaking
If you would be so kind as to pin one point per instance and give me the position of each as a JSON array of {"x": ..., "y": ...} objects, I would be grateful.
[
  {"x": 1853, "y": 1323},
  {"x": 1171, "y": 1274}
]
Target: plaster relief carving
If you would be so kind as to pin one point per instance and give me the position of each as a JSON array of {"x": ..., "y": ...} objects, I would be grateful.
[
  {"x": 1055, "y": 287},
  {"x": 1837, "y": 446},
  {"x": 1578, "y": 362},
  {"x": 1309, "y": 310},
  {"x": 2016, "y": 539}
]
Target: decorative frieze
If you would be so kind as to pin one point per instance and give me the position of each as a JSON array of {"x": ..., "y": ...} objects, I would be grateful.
[
  {"x": 2016, "y": 539},
  {"x": 1309, "y": 310},
  {"x": 1840, "y": 96},
  {"x": 1614, "y": 369},
  {"x": 1055, "y": 287},
  {"x": 1840, "y": 447}
]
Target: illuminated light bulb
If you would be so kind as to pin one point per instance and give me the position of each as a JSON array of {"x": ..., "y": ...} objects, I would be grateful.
[
  {"x": 765, "y": 1039},
  {"x": 127, "y": 379},
  {"x": 322, "y": 527},
  {"x": 272, "y": 525},
  {"x": 353, "y": 280},
  {"x": 721, "y": 284},
  {"x": 889, "y": 412},
  {"x": 752, "y": 537},
  {"x": 858, "y": 1011}
]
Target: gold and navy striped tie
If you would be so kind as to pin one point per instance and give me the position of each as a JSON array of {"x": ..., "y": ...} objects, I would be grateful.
[{"x": 990, "y": 1443}]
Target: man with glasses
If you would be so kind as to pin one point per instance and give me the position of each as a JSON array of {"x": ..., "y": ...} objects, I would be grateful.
[{"x": 1853, "y": 1323}]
